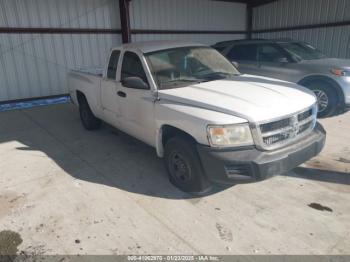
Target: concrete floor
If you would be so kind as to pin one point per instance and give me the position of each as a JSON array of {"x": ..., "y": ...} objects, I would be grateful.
[{"x": 68, "y": 191}]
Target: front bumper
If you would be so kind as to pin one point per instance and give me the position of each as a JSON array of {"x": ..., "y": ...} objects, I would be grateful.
[{"x": 241, "y": 165}]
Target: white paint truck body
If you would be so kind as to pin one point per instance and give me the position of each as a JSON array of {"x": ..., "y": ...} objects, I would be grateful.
[{"x": 276, "y": 120}]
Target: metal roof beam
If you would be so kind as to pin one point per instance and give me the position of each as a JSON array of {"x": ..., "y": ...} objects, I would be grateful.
[
  {"x": 253, "y": 3},
  {"x": 256, "y": 3}
]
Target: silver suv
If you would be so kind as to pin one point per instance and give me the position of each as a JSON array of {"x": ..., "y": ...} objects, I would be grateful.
[{"x": 296, "y": 62}]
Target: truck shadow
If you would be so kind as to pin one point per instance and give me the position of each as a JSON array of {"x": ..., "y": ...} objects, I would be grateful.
[
  {"x": 134, "y": 167},
  {"x": 321, "y": 175},
  {"x": 106, "y": 156}
]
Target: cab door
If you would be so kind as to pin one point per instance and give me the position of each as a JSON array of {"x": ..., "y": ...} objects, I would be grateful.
[
  {"x": 109, "y": 89},
  {"x": 136, "y": 104}
]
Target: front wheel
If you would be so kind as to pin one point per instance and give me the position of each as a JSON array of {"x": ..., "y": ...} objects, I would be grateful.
[
  {"x": 183, "y": 166},
  {"x": 327, "y": 99}
]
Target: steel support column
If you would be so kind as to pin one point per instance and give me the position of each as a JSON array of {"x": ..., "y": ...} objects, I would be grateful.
[
  {"x": 125, "y": 20},
  {"x": 249, "y": 21}
]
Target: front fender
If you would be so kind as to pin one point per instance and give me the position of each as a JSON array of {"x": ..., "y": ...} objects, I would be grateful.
[{"x": 191, "y": 120}]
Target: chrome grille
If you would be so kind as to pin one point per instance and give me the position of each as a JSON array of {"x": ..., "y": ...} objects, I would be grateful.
[
  {"x": 274, "y": 125},
  {"x": 305, "y": 115},
  {"x": 281, "y": 132},
  {"x": 304, "y": 127},
  {"x": 270, "y": 140}
]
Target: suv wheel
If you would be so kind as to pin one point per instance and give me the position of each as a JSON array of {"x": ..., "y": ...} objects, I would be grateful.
[
  {"x": 327, "y": 99},
  {"x": 183, "y": 166},
  {"x": 90, "y": 122}
]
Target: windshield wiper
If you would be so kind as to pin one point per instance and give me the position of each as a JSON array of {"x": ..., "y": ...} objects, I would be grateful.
[
  {"x": 183, "y": 80},
  {"x": 219, "y": 75},
  {"x": 176, "y": 82}
]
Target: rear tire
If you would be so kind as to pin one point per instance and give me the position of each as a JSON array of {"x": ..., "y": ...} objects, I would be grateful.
[
  {"x": 90, "y": 122},
  {"x": 327, "y": 98},
  {"x": 184, "y": 167}
]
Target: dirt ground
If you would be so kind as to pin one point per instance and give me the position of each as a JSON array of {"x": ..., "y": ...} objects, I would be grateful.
[{"x": 64, "y": 190}]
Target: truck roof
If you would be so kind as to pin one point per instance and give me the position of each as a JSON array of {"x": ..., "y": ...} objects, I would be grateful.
[{"x": 152, "y": 46}]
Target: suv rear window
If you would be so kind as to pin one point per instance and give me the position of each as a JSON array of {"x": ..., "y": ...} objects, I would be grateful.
[{"x": 243, "y": 52}]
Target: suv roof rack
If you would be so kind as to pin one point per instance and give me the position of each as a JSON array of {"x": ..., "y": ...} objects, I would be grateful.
[
  {"x": 254, "y": 39},
  {"x": 240, "y": 40}
]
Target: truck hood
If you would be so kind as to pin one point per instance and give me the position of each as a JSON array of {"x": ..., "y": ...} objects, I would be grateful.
[
  {"x": 329, "y": 62},
  {"x": 250, "y": 97}
]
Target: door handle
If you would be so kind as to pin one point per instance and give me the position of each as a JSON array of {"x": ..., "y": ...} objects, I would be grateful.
[{"x": 121, "y": 94}]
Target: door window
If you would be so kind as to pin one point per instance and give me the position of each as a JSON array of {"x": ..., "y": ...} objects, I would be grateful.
[
  {"x": 132, "y": 66},
  {"x": 243, "y": 53},
  {"x": 269, "y": 53},
  {"x": 112, "y": 65}
]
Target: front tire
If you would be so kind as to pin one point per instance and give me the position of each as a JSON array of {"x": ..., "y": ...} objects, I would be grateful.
[
  {"x": 327, "y": 98},
  {"x": 184, "y": 167},
  {"x": 90, "y": 122}
]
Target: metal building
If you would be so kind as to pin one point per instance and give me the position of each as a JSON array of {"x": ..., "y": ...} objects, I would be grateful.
[
  {"x": 39, "y": 46},
  {"x": 41, "y": 39},
  {"x": 323, "y": 23}
]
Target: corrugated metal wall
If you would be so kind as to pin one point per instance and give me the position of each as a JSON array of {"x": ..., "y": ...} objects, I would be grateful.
[
  {"x": 35, "y": 65},
  {"x": 333, "y": 41},
  {"x": 187, "y": 15}
]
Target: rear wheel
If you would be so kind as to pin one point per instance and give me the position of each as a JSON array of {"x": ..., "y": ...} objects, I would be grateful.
[
  {"x": 90, "y": 122},
  {"x": 183, "y": 166},
  {"x": 327, "y": 98}
]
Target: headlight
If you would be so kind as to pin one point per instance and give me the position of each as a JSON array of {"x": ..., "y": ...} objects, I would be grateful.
[
  {"x": 230, "y": 135},
  {"x": 340, "y": 72}
]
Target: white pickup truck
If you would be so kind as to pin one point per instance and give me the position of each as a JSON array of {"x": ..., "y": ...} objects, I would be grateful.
[{"x": 210, "y": 123}]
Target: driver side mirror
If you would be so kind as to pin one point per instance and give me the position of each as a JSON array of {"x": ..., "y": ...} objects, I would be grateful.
[
  {"x": 135, "y": 82},
  {"x": 235, "y": 64}
]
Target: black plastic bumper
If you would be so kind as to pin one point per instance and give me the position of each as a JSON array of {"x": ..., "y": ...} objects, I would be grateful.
[{"x": 249, "y": 164}]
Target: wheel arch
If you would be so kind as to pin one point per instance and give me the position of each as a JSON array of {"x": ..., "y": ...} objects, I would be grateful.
[
  {"x": 309, "y": 79},
  {"x": 81, "y": 97},
  {"x": 166, "y": 132}
]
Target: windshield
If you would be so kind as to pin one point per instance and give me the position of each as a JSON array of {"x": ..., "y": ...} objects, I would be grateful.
[
  {"x": 302, "y": 51},
  {"x": 179, "y": 67}
]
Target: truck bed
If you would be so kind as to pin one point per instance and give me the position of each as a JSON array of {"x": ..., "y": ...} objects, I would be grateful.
[
  {"x": 86, "y": 80},
  {"x": 95, "y": 71}
]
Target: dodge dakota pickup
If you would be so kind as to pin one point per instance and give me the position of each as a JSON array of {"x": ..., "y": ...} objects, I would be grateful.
[{"x": 210, "y": 123}]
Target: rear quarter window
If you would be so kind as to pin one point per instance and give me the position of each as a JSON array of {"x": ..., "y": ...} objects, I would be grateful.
[{"x": 113, "y": 64}]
